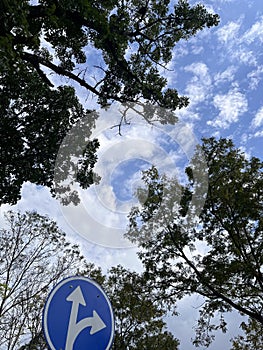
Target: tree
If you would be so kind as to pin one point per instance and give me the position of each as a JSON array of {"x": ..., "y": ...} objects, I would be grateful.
[
  {"x": 34, "y": 256},
  {"x": 70, "y": 27},
  {"x": 34, "y": 121},
  {"x": 252, "y": 337},
  {"x": 216, "y": 253},
  {"x": 139, "y": 314},
  {"x": 41, "y": 42}
]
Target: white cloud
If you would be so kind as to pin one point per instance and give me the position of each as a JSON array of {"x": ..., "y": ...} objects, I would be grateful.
[
  {"x": 255, "y": 77},
  {"x": 238, "y": 45},
  {"x": 196, "y": 50},
  {"x": 246, "y": 56},
  {"x": 38, "y": 198},
  {"x": 229, "y": 32},
  {"x": 188, "y": 114},
  {"x": 254, "y": 33},
  {"x": 259, "y": 134},
  {"x": 225, "y": 76},
  {"x": 101, "y": 216},
  {"x": 231, "y": 107},
  {"x": 199, "y": 86},
  {"x": 200, "y": 69},
  {"x": 258, "y": 120}
]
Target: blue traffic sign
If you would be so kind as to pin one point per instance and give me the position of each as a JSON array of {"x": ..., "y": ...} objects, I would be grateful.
[{"x": 78, "y": 316}]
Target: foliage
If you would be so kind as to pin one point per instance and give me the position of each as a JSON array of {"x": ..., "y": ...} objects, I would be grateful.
[
  {"x": 252, "y": 337},
  {"x": 216, "y": 253},
  {"x": 41, "y": 42},
  {"x": 69, "y": 27},
  {"x": 33, "y": 123},
  {"x": 139, "y": 315},
  {"x": 34, "y": 256}
]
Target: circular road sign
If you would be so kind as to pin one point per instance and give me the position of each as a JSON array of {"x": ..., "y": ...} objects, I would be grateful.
[{"x": 78, "y": 316}]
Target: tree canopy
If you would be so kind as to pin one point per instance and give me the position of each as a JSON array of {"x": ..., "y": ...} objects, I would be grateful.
[
  {"x": 217, "y": 253},
  {"x": 46, "y": 47},
  {"x": 138, "y": 312},
  {"x": 57, "y": 35},
  {"x": 35, "y": 255},
  {"x": 252, "y": 337}
]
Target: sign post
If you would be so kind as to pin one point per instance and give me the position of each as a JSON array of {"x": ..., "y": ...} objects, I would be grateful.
[{"x": 78, "y": 316}]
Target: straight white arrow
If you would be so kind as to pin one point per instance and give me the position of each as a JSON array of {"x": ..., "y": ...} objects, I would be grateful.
[{"x": 74, "y": 327}]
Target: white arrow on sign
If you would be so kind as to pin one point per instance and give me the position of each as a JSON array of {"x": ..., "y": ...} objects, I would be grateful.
[{"x": 74, "y": 327}]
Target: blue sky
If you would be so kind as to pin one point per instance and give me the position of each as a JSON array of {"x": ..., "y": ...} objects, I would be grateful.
[{"x": 221, "y": 70}]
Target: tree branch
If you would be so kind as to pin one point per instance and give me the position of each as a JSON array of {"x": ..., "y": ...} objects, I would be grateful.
[
  {"x": 29, "y": 57},
  {"x": 214, "y": 291},
  {"x": 60, "y": 71}
]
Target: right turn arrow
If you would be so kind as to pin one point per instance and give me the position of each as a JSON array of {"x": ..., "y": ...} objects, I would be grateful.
[{"x": 74, "y": 327}]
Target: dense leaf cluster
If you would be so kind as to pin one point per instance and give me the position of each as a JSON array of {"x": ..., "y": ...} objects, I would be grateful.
[
  {"x": 37, "y": 35},
  {"x": 35, "y": 256},
  {"x": 40, "y": 42},
  {"x": 34, "y": 122},
  {"x": 217, "y": 253}
]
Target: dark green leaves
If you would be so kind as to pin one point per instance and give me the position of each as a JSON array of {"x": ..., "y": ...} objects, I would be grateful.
[
  {"x": 35, "y": 256},
  {"x": 217, "y": 253},
  {"x": 38, "y": 43},
  {"x": 34, "y": 121},
  {"x": 69, "y": 28}
]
